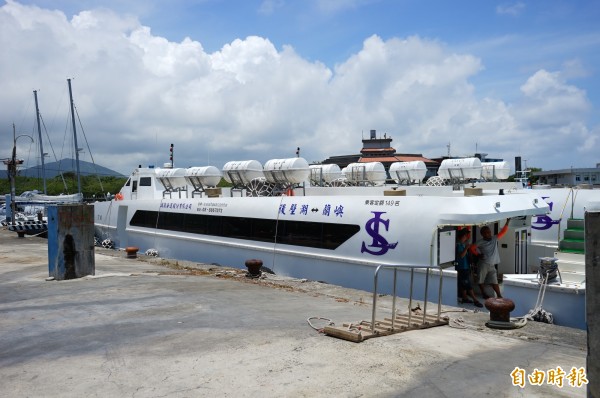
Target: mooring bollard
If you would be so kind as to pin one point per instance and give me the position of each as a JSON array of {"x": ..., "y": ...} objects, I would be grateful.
[
  {"x": 499, "y": 308},
  {"x": 131, "y": 251},
  {"x": 253, "y": 266}
]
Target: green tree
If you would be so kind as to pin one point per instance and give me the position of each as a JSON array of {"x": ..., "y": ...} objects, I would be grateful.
[{"x": 91, "y": 186}]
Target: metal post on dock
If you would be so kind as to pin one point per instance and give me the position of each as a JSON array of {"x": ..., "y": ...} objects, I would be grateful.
[
  {"x": 440, "y": 294},
  {"x": 374, "y": 310},
  {"x": 592, "y": 298},
  {"x": 410, "y": 295},
  {"x": 394, "y": 298},
  {"x": 426, "y": 290}
]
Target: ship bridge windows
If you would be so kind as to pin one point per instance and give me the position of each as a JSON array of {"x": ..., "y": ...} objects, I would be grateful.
[
  {"x": 145, "y": 181},
  {"x": 295, "y": 233}
]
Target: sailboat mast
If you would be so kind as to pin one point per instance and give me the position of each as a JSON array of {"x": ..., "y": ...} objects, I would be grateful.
[
  {"x": 75, "y": 136},
  {"x": 37, "y": 114}
]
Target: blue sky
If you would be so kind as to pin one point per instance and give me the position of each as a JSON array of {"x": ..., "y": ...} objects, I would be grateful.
[{"x": 236, "y": 80}]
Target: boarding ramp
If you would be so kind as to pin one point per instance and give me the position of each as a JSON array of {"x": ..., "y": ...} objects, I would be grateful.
[{"x": 398, "y": 322}]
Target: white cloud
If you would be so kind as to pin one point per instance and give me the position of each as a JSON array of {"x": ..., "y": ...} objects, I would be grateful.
[
  {"x": 268, "y": 7},
  {"x": 137, "y": 92},
  {"x": 551, "y": 117},
  {"x": 512, "y": 9},
  {"x": 333, "y": 6}
]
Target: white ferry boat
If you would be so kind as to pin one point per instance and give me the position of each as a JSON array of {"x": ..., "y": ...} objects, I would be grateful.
[{"x": 313, "y": 223}]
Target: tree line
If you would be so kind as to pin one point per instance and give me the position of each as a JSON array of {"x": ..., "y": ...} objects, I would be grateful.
[{"x": 92, "y": 187}]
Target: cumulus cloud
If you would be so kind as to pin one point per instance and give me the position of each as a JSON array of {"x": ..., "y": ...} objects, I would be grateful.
[
  {"x": 512, "y": 9},
  {"x": 268, "y": 7},
  {"x": 551, "y": 116},
  {"x": 332, "y": 6},
  {"x": 137, "y": 92}
]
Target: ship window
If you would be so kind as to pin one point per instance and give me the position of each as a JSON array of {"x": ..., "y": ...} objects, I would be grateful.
[
  {"x": 294, "y": 233},
  {"x": 134, "y": 188},
  {"x": 145, "y": 181}
]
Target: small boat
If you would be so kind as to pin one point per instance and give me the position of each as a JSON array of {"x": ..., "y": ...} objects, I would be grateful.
[{"x": 31, "y": 205}]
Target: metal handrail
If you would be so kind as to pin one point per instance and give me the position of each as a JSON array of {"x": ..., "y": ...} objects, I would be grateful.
[
  {"x": 563, "y": 211},
  {"x": 412, "y": 269}
]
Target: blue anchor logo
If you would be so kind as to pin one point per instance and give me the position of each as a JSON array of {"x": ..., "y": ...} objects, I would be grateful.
[{"x": 379, "y": 242}]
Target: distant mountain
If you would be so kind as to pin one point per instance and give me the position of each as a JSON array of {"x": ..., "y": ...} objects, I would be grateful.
[{"x": 66, "y": 165}]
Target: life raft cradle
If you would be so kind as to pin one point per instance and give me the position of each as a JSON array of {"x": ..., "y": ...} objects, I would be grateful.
[{"x": 358, "y": 332}]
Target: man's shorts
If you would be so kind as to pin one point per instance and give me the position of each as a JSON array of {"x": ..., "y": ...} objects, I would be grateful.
[{"x": 487, "y": 274}]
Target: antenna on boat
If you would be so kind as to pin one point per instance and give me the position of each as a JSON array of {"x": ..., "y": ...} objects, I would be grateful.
[
  {"x": 298, "y": 152},
  {"x": 171, "y": 155}
]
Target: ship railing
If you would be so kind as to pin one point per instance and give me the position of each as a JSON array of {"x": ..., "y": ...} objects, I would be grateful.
[
  {"x": 316, "y": 177},
  {"x": 170, "y": 191},
  {"x": 170, "y": 188},
  {"x": 195, "y": 182},
  {"x": 237, "y": 182},
  {"x": 457, "y": 179},
  {"x": 358, "y": 177},
  {"x": 410, "y": 298},
  {"x": 573, "y": 195}
]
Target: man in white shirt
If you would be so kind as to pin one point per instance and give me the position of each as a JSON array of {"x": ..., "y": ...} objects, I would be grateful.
[{"x": 489, "y": 258}]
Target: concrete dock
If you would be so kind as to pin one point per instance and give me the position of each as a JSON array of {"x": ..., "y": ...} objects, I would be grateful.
[{"x": 151, "y": 327}]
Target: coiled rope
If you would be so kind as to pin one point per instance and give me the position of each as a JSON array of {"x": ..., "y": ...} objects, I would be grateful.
[
  {"x": 514, "y": 323},
  {"x": 319, "y": 329}
]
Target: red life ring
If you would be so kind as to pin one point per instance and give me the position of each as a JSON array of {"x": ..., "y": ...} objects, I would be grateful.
[{"x": 119, "y": 196}]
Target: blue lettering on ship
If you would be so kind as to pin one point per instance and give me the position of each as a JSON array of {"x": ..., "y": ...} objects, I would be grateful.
[
  {"x": 543, "y": 221},
  {"x": 379, "y": 245}
]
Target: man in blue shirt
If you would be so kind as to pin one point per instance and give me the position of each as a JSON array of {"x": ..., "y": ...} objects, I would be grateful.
[{"x": 463, "y": 268}]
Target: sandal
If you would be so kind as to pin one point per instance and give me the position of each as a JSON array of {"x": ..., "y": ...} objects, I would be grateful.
[
  {"x": 467, "y": 301},
  {"x": 478, "y": 304}
]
